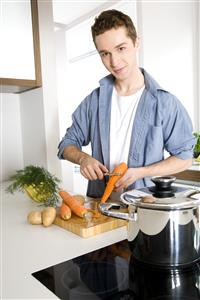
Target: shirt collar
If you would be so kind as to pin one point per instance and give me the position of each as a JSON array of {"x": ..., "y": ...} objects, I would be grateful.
[{"x": 150, "y": 83}]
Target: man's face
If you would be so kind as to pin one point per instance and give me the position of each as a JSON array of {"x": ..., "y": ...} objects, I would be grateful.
[{"x": 118, "y": 53}]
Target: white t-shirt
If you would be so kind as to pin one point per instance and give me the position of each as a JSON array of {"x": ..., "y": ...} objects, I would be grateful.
[{"x": 123, "y": 109}]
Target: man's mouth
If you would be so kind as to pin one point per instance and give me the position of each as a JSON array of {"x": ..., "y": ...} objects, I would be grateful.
[{"x": 118, "y": 70}]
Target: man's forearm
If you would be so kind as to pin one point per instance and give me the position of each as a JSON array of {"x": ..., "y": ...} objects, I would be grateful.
[
  {"x": 74, "y": 154},
  {"x": 169, "y": 166}
]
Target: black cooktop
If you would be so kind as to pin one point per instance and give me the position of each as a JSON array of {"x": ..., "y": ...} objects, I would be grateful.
[{"x": 112, "y": 273}]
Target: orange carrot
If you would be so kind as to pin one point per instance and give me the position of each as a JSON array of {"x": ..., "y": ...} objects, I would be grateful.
[
  {"x": 65, "y": 212},
  {"x": 74, "y": 205},
  {"x": 121, "y": 168}
]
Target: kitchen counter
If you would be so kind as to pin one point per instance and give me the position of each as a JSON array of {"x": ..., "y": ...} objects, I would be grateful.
[
  {"x": 195, "y": 166},
  {"x": 29, "y": 248},
  {"x": 190, "y": 176}
]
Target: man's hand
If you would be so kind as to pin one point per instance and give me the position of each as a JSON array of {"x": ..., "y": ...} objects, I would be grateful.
[
  {"x": 168, "y": 166},
  {"x": 131, "y": 175},
  {"x": 91, "y": 168}
]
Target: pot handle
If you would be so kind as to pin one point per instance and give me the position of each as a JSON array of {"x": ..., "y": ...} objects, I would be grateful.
[
  {"x": 194, "y": 195},
  {"x": 105, "y": 209}
]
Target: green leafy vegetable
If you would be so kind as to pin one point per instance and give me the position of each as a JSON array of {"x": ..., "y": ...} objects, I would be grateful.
[
  {"x": 44, "y": 184},
  {"x": 197, "y": 145}
]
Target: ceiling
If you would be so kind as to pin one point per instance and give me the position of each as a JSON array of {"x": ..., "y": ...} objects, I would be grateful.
[{"x": 73, "y": 12}]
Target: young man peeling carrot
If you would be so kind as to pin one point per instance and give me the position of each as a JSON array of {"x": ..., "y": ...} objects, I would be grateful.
[{"x": 128, "y": 118}]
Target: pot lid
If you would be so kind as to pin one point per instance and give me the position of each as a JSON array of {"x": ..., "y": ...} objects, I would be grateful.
[{"x": 144, "y": 200}]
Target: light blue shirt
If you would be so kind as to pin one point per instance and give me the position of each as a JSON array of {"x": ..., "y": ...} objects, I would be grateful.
[{"x": 161, "y": 122}]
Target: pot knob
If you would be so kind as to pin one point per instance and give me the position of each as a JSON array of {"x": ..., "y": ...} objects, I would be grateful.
[
  {"x": 163, "y": 188},
  {"x": 163, "y": 182}
]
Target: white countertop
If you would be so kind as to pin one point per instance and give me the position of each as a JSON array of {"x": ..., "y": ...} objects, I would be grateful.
[
  {"x": 195, "y": 166},
  {"x": 29, "y": 248}
]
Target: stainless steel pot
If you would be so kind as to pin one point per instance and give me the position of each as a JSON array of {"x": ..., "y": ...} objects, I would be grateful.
[{"x": 165, "y": 232}]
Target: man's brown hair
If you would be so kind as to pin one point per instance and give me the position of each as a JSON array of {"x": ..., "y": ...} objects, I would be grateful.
[{"x": 113, "y": 18}]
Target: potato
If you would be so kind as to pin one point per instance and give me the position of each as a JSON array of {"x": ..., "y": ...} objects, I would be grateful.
[
  {"x": 80, "y": 199},
  {"x": 48, "y": 216},
  {"x": 148, "y": 199},
  {"x": 35, "y": 217}
]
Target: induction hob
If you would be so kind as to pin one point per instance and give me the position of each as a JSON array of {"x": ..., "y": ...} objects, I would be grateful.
[{"x": 112, "y": 273}]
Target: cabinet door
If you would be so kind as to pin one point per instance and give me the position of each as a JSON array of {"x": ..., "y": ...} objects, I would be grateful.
[{"x": 19, "y": 51}]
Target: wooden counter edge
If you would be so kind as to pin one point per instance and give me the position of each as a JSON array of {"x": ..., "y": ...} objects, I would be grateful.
[{"x": 190, "y": 175}]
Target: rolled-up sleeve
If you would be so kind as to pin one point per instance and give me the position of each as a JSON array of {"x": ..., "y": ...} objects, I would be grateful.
[
  {"x": 177, "y": 129},
  {"x": 78, "y": 133}
]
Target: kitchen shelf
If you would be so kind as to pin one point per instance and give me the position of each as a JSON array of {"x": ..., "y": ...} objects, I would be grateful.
[{"x": 18, "y": 85}]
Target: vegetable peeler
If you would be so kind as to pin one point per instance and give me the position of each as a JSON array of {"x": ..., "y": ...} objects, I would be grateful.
[{"x": 112, "y": 174}]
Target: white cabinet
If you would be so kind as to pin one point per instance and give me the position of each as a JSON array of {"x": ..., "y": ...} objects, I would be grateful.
[{"x": 19, "y": 51}]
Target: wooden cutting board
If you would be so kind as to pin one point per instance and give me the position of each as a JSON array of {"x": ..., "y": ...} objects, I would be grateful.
[{"x": 87, "y": 229}]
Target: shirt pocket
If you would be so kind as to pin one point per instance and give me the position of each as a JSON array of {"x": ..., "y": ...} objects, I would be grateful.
[{"x": 154, "y": 144}]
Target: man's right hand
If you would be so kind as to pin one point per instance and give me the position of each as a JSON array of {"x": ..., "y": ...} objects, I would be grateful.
[{"x": 91, "y": 168}]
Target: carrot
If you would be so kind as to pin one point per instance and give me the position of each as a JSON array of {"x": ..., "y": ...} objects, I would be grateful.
[
  {"x": 121, "y": 168},
  {"x": 74, "y": 205},
  {"x": 65, "y": 211}
]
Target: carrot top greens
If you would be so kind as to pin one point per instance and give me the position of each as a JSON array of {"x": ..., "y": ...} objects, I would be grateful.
[{"x": 45, "y": 184}]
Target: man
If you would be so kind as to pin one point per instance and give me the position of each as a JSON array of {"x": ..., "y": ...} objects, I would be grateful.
[{"x": 129, "y": 117}]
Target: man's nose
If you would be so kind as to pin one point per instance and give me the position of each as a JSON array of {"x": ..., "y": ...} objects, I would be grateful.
[{"x": 114, "y": 60}]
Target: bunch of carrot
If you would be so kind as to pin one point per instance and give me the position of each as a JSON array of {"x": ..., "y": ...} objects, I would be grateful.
[
  {"x": 119, "y": 169},
  {"x": 70, "y": 204}
]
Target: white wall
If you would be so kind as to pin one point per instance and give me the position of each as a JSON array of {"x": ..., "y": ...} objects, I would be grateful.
[
  {"x": 198, "y": 69},
  {"x": 62, "y": 84},
  {"x": 30, "y": 127},
  {"x": 169, "y": 39},
  {"x": 49, "y": 85},
  {"x": 22, "y": 132},
  {"x": 11, "y": 157}
]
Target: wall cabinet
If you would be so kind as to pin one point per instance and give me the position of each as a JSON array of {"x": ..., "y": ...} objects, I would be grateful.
[{"x": 20, "y": 47}]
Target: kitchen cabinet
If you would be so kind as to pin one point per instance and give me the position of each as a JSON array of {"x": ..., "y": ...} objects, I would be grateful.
[{"x": 20, "y": 47}]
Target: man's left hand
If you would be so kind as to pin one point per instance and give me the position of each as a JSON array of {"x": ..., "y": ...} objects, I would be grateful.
[{"x": 131, "y": 175}]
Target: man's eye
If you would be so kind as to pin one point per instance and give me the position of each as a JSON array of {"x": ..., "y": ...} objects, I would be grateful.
[
  {"x": 121, "y": 49},
  {"x": 104, "y": 54}
]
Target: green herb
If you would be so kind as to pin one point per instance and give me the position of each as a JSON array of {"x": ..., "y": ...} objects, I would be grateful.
[
  {"x": 44, "y": 183},
  {"x": 197, "y": 145}
]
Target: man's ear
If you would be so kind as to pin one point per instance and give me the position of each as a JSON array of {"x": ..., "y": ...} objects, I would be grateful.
[{"x": 137, "y": 43}]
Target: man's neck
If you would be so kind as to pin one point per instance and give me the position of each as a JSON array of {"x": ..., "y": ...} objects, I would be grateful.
[{"x": 130, "y": 85}]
